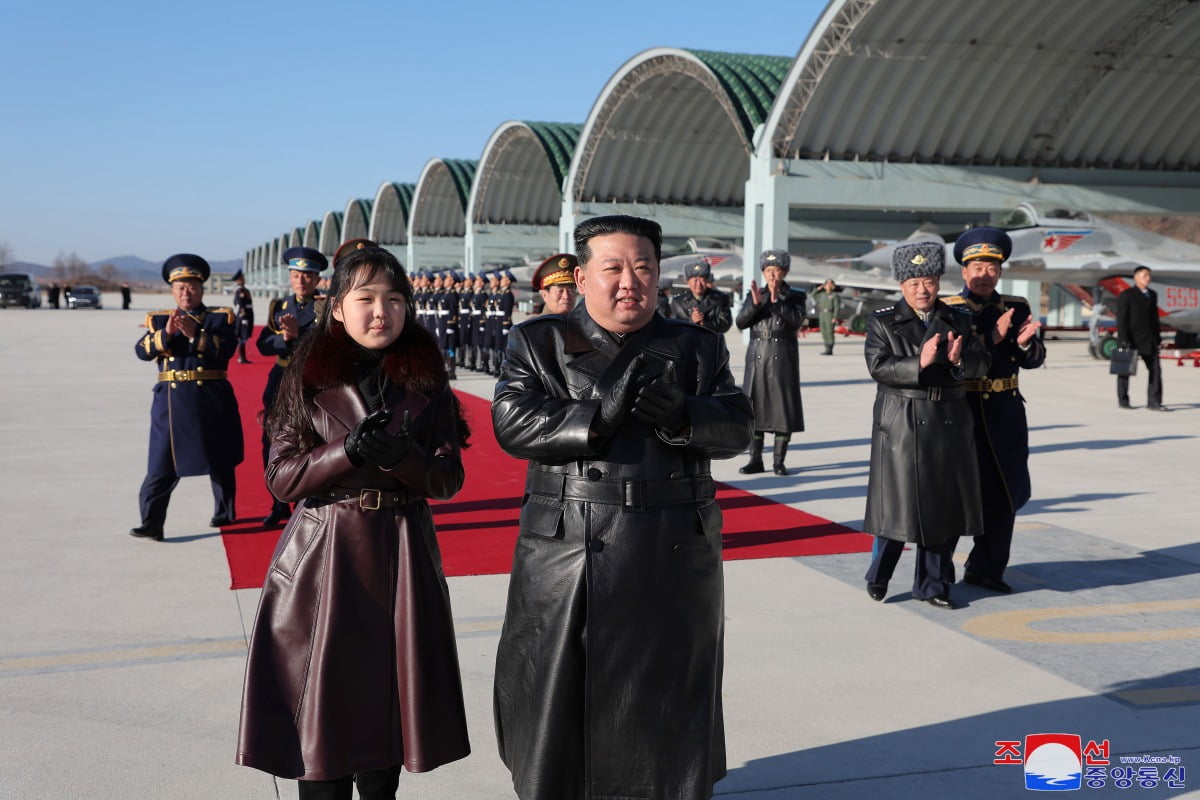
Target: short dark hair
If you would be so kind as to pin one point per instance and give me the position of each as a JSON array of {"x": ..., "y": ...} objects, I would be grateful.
[
  {"x": 616, "y": 223},
  {"x": 1140, "y": 268}
]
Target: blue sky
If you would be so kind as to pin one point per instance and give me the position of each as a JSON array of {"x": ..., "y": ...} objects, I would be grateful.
[{"x": 150, "y": 128}]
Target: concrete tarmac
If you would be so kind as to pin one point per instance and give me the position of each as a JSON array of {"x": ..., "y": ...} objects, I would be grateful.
[{"x": 121, "y": 660}]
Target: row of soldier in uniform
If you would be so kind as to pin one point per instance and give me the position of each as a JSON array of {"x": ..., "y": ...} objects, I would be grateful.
[{"x": 470, "y": 316}]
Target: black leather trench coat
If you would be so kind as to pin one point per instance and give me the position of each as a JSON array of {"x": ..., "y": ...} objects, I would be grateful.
[
  {"x": 772, "y": 379},
  {"x": 352, "y": 663},
  {"x": 924, "y": 482},
  {"x": 608, "y": 672},
  {"x": 714, "y": 305}
]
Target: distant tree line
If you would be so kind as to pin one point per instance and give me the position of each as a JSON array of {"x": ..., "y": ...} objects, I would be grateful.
[{"x": 72, "y": 270}]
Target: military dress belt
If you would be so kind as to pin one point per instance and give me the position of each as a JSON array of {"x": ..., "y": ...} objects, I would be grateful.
[
  {"x": 184, "y": 375},
  {"x": 765, "y": 335},
  {"x": 366, "y": 499},
  {"x": 934, "y": 393},
  {"x": 991, "y": 384},
  {"x": 630, "y": 493}
]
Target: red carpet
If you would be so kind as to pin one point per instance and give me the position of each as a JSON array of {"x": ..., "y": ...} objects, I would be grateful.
[{"x": 477, "y": 529}]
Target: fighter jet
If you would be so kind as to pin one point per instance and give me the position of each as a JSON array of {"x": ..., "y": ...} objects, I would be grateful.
[{"x": 1064, "y": 246}]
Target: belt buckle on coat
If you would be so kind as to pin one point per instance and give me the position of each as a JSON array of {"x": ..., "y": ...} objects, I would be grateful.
[{"x": 363, "y": 501}]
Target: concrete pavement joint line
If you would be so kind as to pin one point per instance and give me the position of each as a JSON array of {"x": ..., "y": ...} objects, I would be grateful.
[{"x": 1015, "y": 625}]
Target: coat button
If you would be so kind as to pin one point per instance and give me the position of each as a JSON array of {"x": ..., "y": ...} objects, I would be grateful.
[
  {"x": 595, "y": 545},
  {"x": 594, "y": 474}
]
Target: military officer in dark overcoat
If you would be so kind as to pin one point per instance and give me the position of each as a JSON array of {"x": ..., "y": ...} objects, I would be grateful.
[
  {"x": 698, "y": 303},
  {"x": 195, "y": 427},
  {"x": 479, "y": 297},
  {"x": 505, "y": 302},
  {"x": 1008, "y": 329},
  {"x": 775, "y": 315},
  {"x": 288, "y": 317},
  {"x": 923, "y": 487},
  {"x": 243, "y": 308},
  {"x": 448, "y": 310},
  {"x": 466, "y": 333}
]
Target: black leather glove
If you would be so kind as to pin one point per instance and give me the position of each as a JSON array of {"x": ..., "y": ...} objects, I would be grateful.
[
  {"x": 355, "y": 440},
  {"x": 385, "y": 449},
  {"x": 615, "y": 404},
  {"x": 660, "y": 403}
]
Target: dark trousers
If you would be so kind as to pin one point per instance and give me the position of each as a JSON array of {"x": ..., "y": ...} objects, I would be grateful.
[
  {"x": 934, "y": 569},
  {"x": 378, "y": 784},
  {"x": 156, "y": 490},
  {"x": 989, "y": 555},
  {"x": 1153, "y": 388}
]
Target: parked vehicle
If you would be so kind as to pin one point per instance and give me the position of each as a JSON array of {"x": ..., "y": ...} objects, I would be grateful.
[
  {"x": 84, "y": 296},
  {"x": 19, "y": 289}
]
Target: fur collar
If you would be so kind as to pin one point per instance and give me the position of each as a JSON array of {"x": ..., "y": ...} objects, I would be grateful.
[{"x": 413, "y": 361}]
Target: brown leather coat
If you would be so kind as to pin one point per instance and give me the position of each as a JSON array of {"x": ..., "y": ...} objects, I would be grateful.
[
  {"x": 352, "y": 662},
  {"x": 608, "y": 671}
]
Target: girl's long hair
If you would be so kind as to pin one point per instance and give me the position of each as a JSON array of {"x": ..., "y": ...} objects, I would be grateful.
[{"x": 291, "y": 410}]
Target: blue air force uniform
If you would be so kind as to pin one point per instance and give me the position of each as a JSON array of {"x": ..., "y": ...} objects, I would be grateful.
[
  {"x": 272, "y": 343},
  {"x": 1001, "y": 428},
  {"x": 195, "y": 428}
]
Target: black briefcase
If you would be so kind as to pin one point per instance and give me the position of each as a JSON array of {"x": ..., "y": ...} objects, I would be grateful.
[{"x": 1124, "y": 362}]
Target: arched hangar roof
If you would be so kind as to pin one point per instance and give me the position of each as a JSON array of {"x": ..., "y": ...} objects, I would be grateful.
[
  {"x": 331, "y": 233},
  {"x": 520, "y": 175},
  {"x": 439, "y": 205},
  {"x": 356, "y": 221},
  {"x": 1065, "y": 83},
  {"x": 389, "y": 217},
  {"x": 676, "y": 126},
  {"x": 312, "y": 234}
]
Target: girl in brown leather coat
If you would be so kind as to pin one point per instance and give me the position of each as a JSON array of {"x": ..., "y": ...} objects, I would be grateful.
[{"x": 352, "y": 670}]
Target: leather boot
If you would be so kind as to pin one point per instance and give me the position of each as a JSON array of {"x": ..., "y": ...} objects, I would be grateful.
[
  {"x": 781, "y": 448},
  {"x": 755, "y": 464},
  {"x": 449, "y": 359}
]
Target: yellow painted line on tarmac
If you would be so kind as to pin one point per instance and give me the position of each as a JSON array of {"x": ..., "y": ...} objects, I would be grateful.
[
  {"x": 92, "y": 658},
  {"x": 1017, "y": 626}
]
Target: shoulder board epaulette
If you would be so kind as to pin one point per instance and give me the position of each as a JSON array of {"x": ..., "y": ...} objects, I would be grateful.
[
  {"x": 1012, "y": 298},
  {"x": 150, "y": 315},
  {"x": 958, "y": 308},
  {"x": 954, "y": 300},
  {"x": 883, "y": 312},
  {"x": 225, "y": 310}
]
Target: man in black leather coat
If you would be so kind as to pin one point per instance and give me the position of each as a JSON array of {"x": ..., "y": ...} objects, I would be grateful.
[
  {"x": 1137, "y": 327},
  {"x": 700, "y": 304},
  {"x": 608, "y": 671}
]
